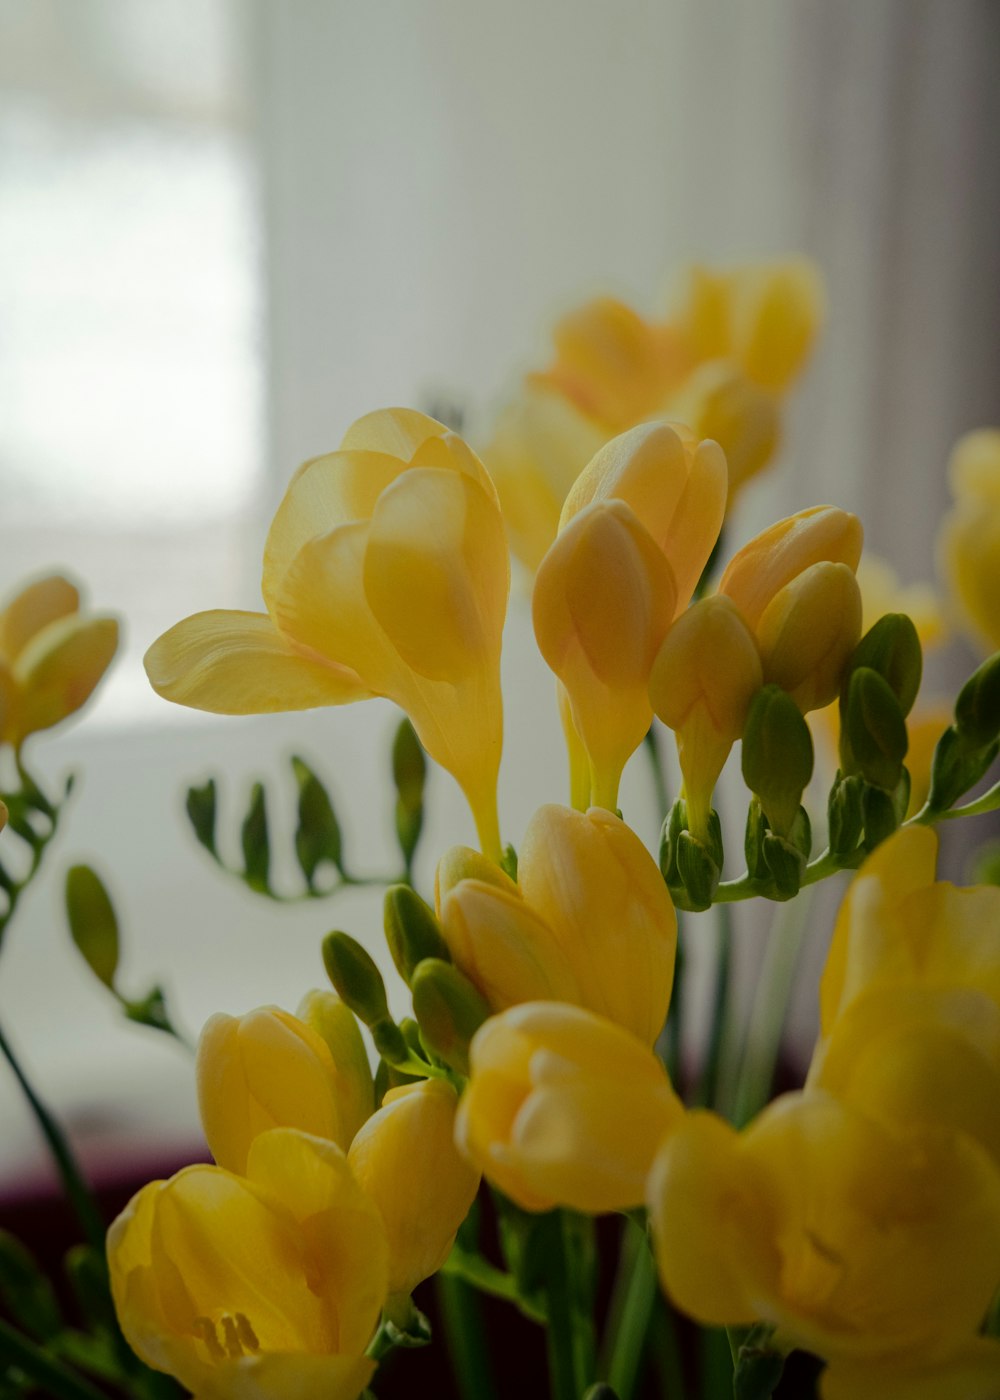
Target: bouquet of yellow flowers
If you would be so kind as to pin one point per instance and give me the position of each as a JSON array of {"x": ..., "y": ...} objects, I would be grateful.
[{"x": 538, "y": 1084}]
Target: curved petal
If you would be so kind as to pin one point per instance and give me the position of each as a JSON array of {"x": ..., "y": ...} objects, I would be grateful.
[
  {"x": 44, "y": 601},
  {"x": 398, "y": 432},
  {"x": 237, "y": 663},
  {"x": 775, "y": 556},
  {"x": 59, "y": 669}
]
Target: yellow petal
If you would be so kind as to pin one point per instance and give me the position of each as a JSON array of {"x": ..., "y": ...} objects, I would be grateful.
[
  {"x": 969, "y": 553},
  {"x": 777, "y": 311},
  {"x": 338, "y": 1028},
  {"x": 463, "y": 863},
  {"x": 971, "y": 1372},
  {"x": 974, "y": 468},
  {"x": 775, "y": 556},
  {"x": 721, "y": 403},
  {"x": 288, "y": 1376},
  {"x": 808, "y": 631},
  {"x": 38, "y": 604},
  {"x": 60, "y": 667},
  {"x": 398, "y": 432},
  {"x": 237, "y": 663}
]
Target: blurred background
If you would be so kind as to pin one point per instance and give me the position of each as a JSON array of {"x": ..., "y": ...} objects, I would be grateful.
[{"x": 229, "y": 228}]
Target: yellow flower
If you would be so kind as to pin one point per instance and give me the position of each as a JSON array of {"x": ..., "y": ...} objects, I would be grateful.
[
  {"x": 856, "y": 1241},
  {"x": 636, "y": 531},
  {"x": 899, "y": 928},
  {"x": 971, "y": 1372},
  {"x": 267, "y": 1285},
  {"x": 794, "y": 585},
  {"x": 51, "y": 657},
  {"x": 969, "y": 543},
  {"x": 385, "y": 572},
  {"x": 720, "y": 402},
  {"x": 269, "y": 1069},
  {"x": 406, "y": 1160},
  {"x": 564, "y": 1108},
  {"x": 705, "y": 675},
  {"x": 589, "y": 921}
]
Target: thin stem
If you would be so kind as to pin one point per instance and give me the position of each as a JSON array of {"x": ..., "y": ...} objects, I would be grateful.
[
  {"x": 468, "y": 1343},
  {"x": 479, "y": 1273},
  {"x": 72, "y": 1178},
  {"x": 631, "y": 1309},
  {"x": 52, "y": 1377}
]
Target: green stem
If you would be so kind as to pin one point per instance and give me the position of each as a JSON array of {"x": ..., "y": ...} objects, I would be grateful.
[
  {"x": 770, "y": 1005},
  {"x": 479, "y": 1273},
  {"x": 72, "y": 1178},
  {"x": 565, "y": 1371},
  {"x": 468, "y": 1343},
  {"x": 631, "y": 1309},
  {"x": 655, "y": 756},
  {"x": 52, "y": 1377}
]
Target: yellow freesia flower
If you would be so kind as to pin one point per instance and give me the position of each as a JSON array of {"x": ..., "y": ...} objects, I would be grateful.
[
  {"x": 406, "y": 1161},
  {"x": 704, "y": 678},
  {"x": 899, "y": 928},
  {"x": 971, "y": 1372},
  {"x": 564, "y": 1108},
  {"x": 270, "y": 1069},
  {"x": 857, "y": 1241},
  {"x": 267, "y": 1285},
  {"x": 385, "y": 572},
  {"x": 589, "y": 921},
  {"x": 969, "y": 542},
  {"x": 636, "y": 531},
  {"x": 52, "y": 657},
  {"x": 795, "y": 588}
]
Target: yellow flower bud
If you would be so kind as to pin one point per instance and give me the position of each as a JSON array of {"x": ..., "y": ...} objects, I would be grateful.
[
  {"x": 855, "y": 1240},
  {"x": 406, "y": 1160},
  {"x": 385, "y": 572},
  {"x": 337, "y": 1026},
  {"x": 564, "y": 1108},
  {"x": 268, "y": 1069},
  {"x": 898, "y": 927},
  {"x": 268, "y": 1284},
  {"x": 590, "y": 922},
  {"x": 604, "y": 598},
  {"x": 52, "y": 657},
  {"x": 969, "y": 542},
  {"x": 705, "y": 675},
  {"x": 772, "y": 559}
]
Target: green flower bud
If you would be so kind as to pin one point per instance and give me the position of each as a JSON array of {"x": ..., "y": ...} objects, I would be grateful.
[
  {"x": 449, "y": 1010},
  {"x": 786, "y": 864},
  {"x": 409, "y": 772},
  {"x": 873, "y": 730},
  {"x": 411, "y": 930},
  {"x": 777, "y": 756},
  {"x": 698, "y": 871},
  {"x": 844, "y": 814},
  {"x": 356, "y": 978},
  {"x": 892, "y": 648},
  {"x": 92, "y": 922},
  {"x": 977, "y": 709}
]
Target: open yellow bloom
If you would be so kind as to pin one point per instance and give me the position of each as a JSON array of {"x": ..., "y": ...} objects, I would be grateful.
[
  {"x": 856, "y": 1241},
  {"x": 589, "y": 921},
  {"x": 51, "y": 657},
  {"x": 704, "y": 678},
  {"x": 636, "y": 531},
  {"x": 269, "y": 1069},
  {"x": 969, "y": 543},
  {"x": 795, "y": 588},
  {"x": 385, "y": 572},
  {"x": 406, "y": 1161},
  {"x": 267, "y": 1285},
  {"x": 564, "y": 1108}
]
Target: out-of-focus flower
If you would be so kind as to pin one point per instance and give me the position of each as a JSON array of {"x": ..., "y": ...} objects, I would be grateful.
[
  {"x": 636, "y": 532},
  {"x": 564, "y": 1108},
  {"x": 270, "y": 1069},
  {"x": 406, "y": 1161},
  {"x": 705, "y": 675},
  {"x": 795, "y": 588},
  {"x": 729, "y": 350},
  {"x": 385, "y": 572},
  {"x": 589, "y": 921},
  {"x": 971, "y": 1372},
  {"x": 969, "y": 542},
  {"x": 857, "y": 1241},
  {"x": 266, "y": 1285},
  {"x": 52, "y": 657}
]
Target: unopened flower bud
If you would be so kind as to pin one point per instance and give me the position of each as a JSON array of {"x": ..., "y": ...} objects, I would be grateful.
[
  {"x": 411, "y": 930},
  {"x": 357, "y": 979},
  {"x": 448, "y": 1009},
  {"x": 777, "y": 756}
]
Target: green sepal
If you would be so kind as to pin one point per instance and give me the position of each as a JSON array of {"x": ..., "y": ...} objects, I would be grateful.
[
  {"x": 881, "y": 816},
  {"x": 92, "y": 923},
  {"x": 26, "y": 1293},
  {"x": 200, "y": 805},
  {"x": 977, "y": 709},
  {"x": 698, "y": 871},
  {"x": 845, "y": 814},
  {"x": 356, "y": 978},
  {"x": 411, "y": 930},
  {"x": 753, "y": 841},
  {"x": 785, "y": 863},
  {"x": 508, "y": 862},
  {"x": 317, "y": 836},
  {"x": 777, "y": 756},
  {"x": 255, "y": 842},
  {"x": 449, "y": 1009},
  {"x": 892, "y": 649},
  {"x": 674, "y": 823},
  {"x": 873, "y": 730},
  {"x": 409, "y": 773}
]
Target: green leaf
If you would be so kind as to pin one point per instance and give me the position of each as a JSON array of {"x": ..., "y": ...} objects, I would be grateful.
[
  {"x": 200, "y": 807},
  {"x": 255, "y": 842},
  {"x": 27, "y": 1295},
  {"x": 92, "y": 922},
  {"x": 317, "y": 838}
]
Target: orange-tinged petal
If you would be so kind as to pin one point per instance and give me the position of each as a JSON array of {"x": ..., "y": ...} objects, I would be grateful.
[
  {"x": 237, "y": 663},
  {"x": 34, "y": 607}
]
